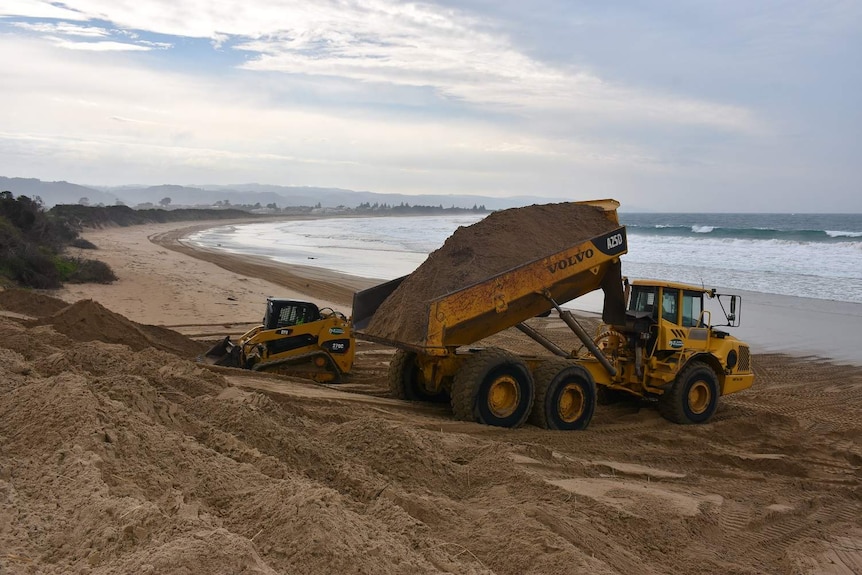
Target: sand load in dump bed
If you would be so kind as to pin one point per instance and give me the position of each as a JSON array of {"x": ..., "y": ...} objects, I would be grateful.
[{"x": 501, "y": 242}]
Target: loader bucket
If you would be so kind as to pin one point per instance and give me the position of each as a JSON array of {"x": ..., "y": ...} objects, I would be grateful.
[{"x": 223, "y": 353}]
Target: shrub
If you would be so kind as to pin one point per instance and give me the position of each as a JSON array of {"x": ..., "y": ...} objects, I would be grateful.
[
  {"x": 28, "y": 266},
  {"x": 89, "y": 271}
]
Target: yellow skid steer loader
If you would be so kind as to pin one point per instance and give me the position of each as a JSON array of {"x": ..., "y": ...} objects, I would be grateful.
[{"x": 296, "y": 338}]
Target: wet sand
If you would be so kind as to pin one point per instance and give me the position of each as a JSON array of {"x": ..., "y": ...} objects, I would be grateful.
[{"x": 802, "y": 326}]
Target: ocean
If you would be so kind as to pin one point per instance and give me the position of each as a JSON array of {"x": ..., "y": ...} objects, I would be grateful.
[
  {"x": 805, "y": 255},
  {"x": 815, "y": 256}
]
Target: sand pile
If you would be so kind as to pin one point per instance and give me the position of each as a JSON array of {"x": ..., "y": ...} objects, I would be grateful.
[
  {"x": 115, "y": 461},
  {"x": 30, "y": 303},
  {"x": 88, "y": 320},
  {"x": 498, "y": 243},
  {"x": 152, "y": 464}
]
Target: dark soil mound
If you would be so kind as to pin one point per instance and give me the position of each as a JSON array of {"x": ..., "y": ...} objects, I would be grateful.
[
  {"x": 30, "y": 303},
  {"x": 502, "y": 241},
  {"x": 88, "y": 320}
]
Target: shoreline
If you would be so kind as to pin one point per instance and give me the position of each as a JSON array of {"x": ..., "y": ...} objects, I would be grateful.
[{"x": 314, "y": 282}]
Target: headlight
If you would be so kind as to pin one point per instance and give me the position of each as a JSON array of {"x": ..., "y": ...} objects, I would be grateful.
[{"x": 732, "y": 359}]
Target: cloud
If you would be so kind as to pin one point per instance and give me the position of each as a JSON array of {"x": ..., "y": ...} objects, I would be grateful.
[
  {"x": 67, "y": 113},
  {"x": 38, "y": 9},
  {"x": 414, "y": 97},
  {"x": 96, "y": 38},
  {"x": 464, "y": 59},
  {"x": 63, "y": 29},
  {"x": 107, "y": 46},
  {"x": 419, "y": 46}
]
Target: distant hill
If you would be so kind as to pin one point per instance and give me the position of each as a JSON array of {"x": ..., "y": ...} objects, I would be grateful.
[{"x": 53, "y": 193}]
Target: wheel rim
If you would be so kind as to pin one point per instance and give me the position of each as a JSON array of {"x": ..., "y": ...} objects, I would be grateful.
[
  {"x": 504, "y": 396},
  {"x": 571, "y": 403},
  {"x": 699, "y": 397}
]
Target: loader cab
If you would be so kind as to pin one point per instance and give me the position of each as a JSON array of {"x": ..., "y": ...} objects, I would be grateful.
[{"x": 285, "y": 313}]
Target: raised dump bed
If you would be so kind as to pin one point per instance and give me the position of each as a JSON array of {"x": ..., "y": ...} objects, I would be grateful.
[{"x": 495, "y": 274}]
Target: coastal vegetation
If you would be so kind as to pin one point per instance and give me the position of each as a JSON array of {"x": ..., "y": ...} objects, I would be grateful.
[
  {"x": 43, "y": 249},
  {"x": 81, "y": 216},
  {"x": 37, "y": 247}
]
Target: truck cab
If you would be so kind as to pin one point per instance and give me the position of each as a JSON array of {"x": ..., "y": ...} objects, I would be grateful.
[
  {"x": 675, "y": 316},
  {"x": 668, "y": 334}
]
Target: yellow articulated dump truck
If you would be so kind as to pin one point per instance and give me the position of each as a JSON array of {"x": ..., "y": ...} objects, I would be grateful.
[{"x": 658, "y": 340}]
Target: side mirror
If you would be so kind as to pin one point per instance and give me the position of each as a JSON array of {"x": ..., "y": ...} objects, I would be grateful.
[{"x": 735, "y": 309}]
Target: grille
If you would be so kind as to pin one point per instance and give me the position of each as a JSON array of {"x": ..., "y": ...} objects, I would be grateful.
[{"x": 744, "y": 359}]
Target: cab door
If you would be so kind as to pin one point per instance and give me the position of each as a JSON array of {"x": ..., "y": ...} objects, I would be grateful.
[
  {"x": 670, "y": 337},
  {"x": 693, "y": 320}
]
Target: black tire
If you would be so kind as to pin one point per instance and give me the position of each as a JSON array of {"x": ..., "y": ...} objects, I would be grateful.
[
  {"x": 493, "y": 387},
  {"x": 693, "y": 397},
  {"x": 565, "y": 396},
  {"x": 406, "y": 380}
]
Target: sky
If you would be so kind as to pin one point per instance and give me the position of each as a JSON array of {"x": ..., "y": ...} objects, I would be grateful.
[{"x": 665, "y": 105}]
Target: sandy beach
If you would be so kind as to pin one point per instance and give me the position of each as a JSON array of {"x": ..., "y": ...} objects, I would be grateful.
[
  {"x": 160, "y": 284},
  {"x": 122, "y": 455}
]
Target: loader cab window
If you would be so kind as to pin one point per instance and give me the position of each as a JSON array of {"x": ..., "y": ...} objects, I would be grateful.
[
  {"x": 692, "y": 306},
  {"x": 288, "y": 313},
  {"x": 669, "y": 300}
]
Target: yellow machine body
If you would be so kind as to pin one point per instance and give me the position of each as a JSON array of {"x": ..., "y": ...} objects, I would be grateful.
[
  {"x": 658, "y": 342},
  {"x": 667, "y": 328},
  {"x": 296, "y": 338}
]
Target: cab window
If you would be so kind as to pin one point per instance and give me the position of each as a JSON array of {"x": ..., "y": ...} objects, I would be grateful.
[
  {"x": 692, "y": 305},
  {"x": 642, "y": 299},
  {"x": 668, "y": 304}
]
